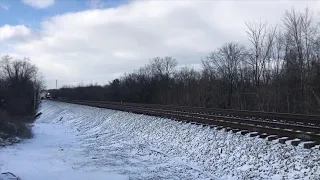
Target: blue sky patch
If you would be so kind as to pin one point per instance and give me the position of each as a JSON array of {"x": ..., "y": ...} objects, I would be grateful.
[{"x": 14, "y": 12}]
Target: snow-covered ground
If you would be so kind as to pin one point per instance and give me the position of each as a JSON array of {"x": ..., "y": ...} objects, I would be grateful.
[{"x": 81, "y": 142}]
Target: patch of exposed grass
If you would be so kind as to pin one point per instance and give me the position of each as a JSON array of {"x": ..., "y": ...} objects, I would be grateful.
[{"x": 14, "y": 126}]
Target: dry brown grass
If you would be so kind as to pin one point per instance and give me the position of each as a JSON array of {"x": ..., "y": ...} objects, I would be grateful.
[{"x": 15, "y": 126}]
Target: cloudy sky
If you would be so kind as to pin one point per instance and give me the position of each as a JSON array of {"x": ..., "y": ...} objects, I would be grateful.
[{"x": 84, "y": 41}]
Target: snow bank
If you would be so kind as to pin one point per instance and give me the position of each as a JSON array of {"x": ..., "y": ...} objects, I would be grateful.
[
  {"x": 207, "y": 151},
  {"x": 45, "y": 157},
  {"x": 70, "y": 145}
]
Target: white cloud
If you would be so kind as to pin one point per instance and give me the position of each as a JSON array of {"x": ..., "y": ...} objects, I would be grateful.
[
  {"x": 96, "y": 45},
  {"x": 4, "y": 6},
  {"x": 39, "y": 4},
  {"x": 18, "y": 32}
]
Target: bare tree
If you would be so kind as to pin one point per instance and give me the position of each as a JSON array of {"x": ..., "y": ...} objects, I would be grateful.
[
  {"x": 163, "y": 66},
  {"x": 226, "y": 63},
  {"x": 301, "y": 33},
  {"x": 262, "y": 40},
  {"x": 21, "y": 83}
]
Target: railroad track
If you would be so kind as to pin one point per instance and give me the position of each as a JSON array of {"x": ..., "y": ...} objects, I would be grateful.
[{"x": 295, "y": 128}]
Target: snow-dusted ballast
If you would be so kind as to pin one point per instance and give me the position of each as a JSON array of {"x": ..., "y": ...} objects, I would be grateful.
[
  {"x": 304, "y": 129},
  {"x": 221, "y": 154}
]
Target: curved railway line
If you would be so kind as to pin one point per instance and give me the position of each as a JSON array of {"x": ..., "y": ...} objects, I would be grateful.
[{"x": 294, "y": 127}]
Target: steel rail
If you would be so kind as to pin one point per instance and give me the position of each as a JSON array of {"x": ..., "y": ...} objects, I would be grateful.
[
  {"x": 272, "y": 124},
  {"x": 286, "y": 117}
]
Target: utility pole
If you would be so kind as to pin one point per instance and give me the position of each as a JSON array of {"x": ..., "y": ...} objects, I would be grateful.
[{"x": 56, "y": 84}]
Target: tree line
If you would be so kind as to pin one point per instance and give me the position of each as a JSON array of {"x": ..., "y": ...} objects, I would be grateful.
[
  {"x": 278, "y": 71},
  {"x": 20, "y": 85}
]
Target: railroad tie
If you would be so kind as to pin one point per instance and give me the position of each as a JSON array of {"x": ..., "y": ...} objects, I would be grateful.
[
  {"x": 272, "y": 137},
  {"x": 264, "y": 135},
  {"x": 283, "y": 140},
  {"x": 244, "y": 132},
  {"x": 235, "y": 130},
  {"x": 309, "y": 144},
  {"x": 295, "y": 142},
  {"x": 254, "y": 134}
]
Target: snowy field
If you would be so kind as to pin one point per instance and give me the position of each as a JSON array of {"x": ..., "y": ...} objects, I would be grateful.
[{"x": 86, "y": 143}]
